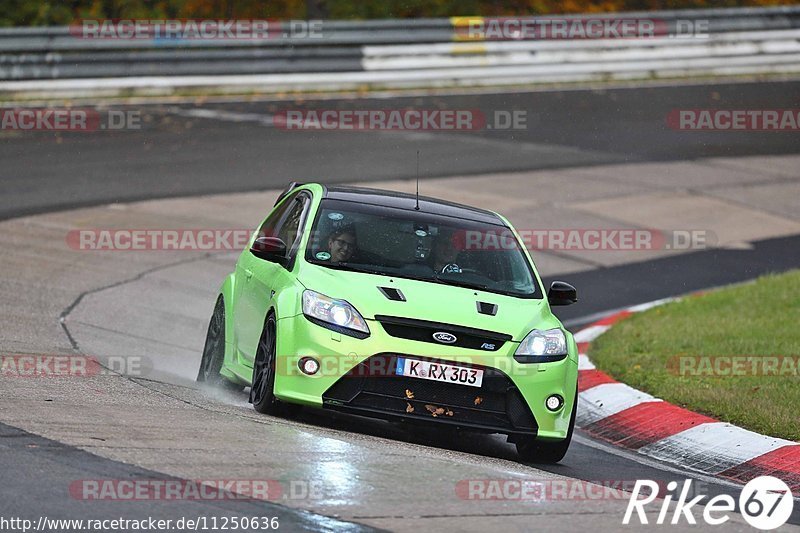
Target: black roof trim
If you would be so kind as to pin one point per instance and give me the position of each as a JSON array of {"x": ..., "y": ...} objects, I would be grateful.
[{"x": 407, "y": 201}]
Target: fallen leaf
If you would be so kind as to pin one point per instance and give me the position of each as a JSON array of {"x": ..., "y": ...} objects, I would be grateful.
[
  {"x": 478, "y": 400},
  {"x": 435, "y": 411},
  {"x": 409, "y": 394},
  {"x": 409, "y": 408}
]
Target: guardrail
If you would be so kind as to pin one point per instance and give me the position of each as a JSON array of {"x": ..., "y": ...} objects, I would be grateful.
[{"x": 401, "y": 53}]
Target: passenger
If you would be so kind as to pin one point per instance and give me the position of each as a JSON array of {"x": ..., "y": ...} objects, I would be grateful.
[{"x": 342, "y": 244}]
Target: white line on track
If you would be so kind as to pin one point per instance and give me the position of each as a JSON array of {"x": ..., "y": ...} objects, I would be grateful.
[
  {"x": 602, "y": 401},
  {"x": 218, "y": 114},
  {"x": 584, "y": 363},
  {"x": 713, "y": 447},
  {"x": 591, "y": 333}
]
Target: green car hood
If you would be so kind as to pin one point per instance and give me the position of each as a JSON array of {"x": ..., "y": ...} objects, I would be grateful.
[{"x": 429, "y": 301}]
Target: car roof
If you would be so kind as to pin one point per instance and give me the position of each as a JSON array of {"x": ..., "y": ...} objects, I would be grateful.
[{"x": 401, "y": 200}]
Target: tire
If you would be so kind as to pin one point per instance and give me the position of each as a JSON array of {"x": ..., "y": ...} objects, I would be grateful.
[
  {"x": 262, "y": 391},
  {"x": 532, "y": 450},
  {"x": 214, "y": 351}
]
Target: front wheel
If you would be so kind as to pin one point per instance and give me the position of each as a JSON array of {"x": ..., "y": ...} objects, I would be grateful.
[
  {"x": 262, "y": 394},
  {"x": 537, "y": 451},
  {"x": 214, "y": 351}
]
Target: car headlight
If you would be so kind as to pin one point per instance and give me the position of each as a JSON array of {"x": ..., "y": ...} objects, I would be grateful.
[
  {"x": 335, "y": 314},
  {"x": 543, "y": 346}
]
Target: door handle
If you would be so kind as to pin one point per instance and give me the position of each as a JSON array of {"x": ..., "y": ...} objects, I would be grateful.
[{"x": 248, "y": 273}]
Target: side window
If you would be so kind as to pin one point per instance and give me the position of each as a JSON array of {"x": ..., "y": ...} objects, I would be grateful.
[
  {"x": 272, "y": 223},
  {"x": 286, "y": 222},
  {"x": 289, "y": 230}
]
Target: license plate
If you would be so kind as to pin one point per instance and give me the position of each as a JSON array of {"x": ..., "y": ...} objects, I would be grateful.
[{"x": 445, "y": 373}]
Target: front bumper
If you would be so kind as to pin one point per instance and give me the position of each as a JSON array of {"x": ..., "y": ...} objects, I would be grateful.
[
  {"x": 512, "y": 397},
  {"x": 374, "y": 389}
]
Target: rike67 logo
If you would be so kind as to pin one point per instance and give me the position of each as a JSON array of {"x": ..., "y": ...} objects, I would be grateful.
[{"x": 766, "y": 503}]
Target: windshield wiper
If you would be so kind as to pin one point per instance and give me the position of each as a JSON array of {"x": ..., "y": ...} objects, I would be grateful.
[
  {"x": 354, "y": 268},
  {"x": 459, "y": 283}
]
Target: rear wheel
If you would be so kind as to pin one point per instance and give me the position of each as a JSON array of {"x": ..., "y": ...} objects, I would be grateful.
[
  {"x": 533, "y": 450},
  {"x": 262, "y": 394},
  {"x": 214, "y": 351}
]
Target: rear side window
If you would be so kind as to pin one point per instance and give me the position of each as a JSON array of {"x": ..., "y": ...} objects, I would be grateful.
[
  {"x": 271, "y": 225},
  {"x": 286, "y": 221}
]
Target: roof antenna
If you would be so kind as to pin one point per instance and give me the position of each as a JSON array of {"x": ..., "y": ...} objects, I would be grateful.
[{"x": 416, "y": 208}]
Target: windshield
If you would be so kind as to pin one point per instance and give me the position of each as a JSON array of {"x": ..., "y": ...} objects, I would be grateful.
[{"x": 411, "y": 244}]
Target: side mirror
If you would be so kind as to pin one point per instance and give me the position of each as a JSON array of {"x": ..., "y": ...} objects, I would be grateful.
[
  {"x": 562, "y": 293},
  {"x": 270, "y": 249}
]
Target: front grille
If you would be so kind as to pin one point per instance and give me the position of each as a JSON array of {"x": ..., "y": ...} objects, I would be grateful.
[
  {"x": 423, "y": 331},
  {"x": 497, "y": 406}
]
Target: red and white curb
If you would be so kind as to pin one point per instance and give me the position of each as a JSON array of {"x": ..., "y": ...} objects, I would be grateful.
[{"x": 621, "y": 415}]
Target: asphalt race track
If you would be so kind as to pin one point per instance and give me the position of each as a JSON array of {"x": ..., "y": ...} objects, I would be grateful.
[
  {"x": 43, "y": 467},
  {"x": 40, "y": 468},
  {"x": 188, "y": 150},
  {"x": 203, "y": 148}
]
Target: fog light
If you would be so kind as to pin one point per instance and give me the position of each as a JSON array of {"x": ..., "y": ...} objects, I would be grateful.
[
  {"x": 308, "y": 365},
  {"x": 554, "y": 402}
]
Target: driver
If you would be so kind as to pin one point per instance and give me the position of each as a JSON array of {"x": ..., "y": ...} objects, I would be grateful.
[
  {"x": 342, "y": 244},
  {"x": 444, "y": 254}
]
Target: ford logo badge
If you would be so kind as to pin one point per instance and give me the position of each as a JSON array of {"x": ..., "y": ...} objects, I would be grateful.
[{"x": 444, "y": 337}]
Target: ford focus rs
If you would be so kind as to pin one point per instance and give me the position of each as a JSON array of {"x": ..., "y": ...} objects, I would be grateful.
[{"x": 398, "y": 307}]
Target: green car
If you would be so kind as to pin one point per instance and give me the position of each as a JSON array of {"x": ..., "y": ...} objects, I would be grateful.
[{"x": 394, "y": 306}]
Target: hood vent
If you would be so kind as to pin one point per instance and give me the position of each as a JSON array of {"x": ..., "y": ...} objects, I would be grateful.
[
  {"x": 487, "y": 308},
  {"x": 392, "y": 294}
]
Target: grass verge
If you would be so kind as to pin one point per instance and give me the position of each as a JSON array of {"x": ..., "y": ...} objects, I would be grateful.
[{"x": 733, "y": 354}]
